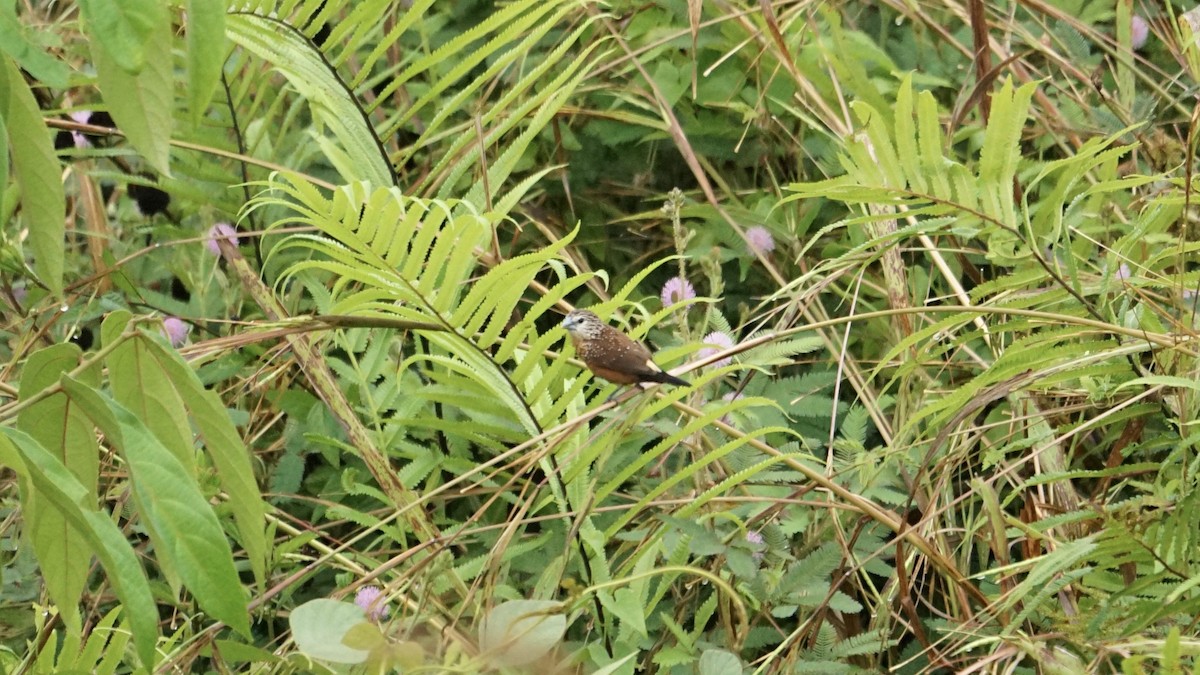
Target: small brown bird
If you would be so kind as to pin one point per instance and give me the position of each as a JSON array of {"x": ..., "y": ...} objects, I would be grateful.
[{"x": 611, "y": 354}]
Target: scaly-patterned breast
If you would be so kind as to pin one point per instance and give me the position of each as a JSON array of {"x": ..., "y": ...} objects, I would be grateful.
[{"x": 613, "y": 351}]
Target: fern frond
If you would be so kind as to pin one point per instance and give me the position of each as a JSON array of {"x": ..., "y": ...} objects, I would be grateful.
[
  {"x": 331, "y": 102},
  {"x": 522, "y": 13},
  {"x": 872, "y": 642},
  {"x": 687, "y": 474},
  {"x": 757, "y": 474},
  {"x": 1052, "y": 570}
]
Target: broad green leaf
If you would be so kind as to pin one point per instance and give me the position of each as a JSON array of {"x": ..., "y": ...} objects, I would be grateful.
[
  {"x": 205, "y": 53},
  {"x": 37, "y": 171},
  {"x": 320, "y": 626},
  {"x": 330, "y": 101},
  {"x": 224, "y": 447},
  {"x": 628, "y": 608},
  {"x": 741, "y": 563},
  {"x": 186, "y": 534},
  {"x": 142, "y": 101},
  {"x": 51, "y": 72},
  {"x": 20, "y": 452},
  {"x": 66, "y": 434},
  {"x": 138, "y": 383},
  {"x": 122, "y": 28},
  {"x": 719, "y": 662},
  {"x": 238, "y": 652},
  {"x": 4, "y": 212},
  {"x": 365, "y": 635},
  {"x": 407, "y": 655},
  {"x": 519, "y": 632}
]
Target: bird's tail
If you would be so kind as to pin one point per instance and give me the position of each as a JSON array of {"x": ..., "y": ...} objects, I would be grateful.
[{"x": 667, "y": 378}]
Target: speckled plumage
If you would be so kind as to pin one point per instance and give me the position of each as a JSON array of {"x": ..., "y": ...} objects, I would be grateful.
[{"x": 611, "y": 354}]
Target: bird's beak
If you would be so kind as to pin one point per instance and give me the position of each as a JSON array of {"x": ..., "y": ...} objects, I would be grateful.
[{"x": 570, "y": 322}]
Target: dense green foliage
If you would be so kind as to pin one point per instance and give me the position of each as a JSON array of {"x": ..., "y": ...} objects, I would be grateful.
[{"x": 930, "y": 269}]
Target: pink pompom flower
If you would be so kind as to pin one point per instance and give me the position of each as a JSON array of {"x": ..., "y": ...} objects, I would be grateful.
[
  {"x": 1139, "y": 32},
  {"x": 216, "y": 233},
  {"x": 370, "y": 600},
  {"x": 714, "y": 342},
  {"x": 176, "y": 330},
  {"x": 677, "y": 289},
  {"x": 760, "y": 240}
]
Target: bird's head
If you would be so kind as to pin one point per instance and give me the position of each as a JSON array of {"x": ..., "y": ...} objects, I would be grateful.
[{"x": 582, "y": 324}]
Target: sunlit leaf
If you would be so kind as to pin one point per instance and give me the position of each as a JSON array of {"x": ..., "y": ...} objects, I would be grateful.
[
  {"x": 36, "y": 169},
  {"x": 519, "y": 632},
  {"x": 319, "y": 628}
]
